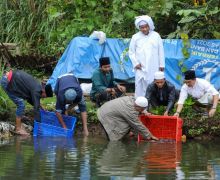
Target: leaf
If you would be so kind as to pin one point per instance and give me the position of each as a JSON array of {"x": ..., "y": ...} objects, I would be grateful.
[
  {"x": 180, "y": 63},
  {"x": 183, "y": 69},
  {"x": 187, "y": 12},
  {"x": 184, "y": 36},
  {"x": 215, "y": 11},
  {"x": 178, "y": 77},
  {"x": 187, "y": 19},
  {"x": 216, "y": 34}
]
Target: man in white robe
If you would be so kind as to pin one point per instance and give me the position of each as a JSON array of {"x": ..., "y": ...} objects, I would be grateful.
[{"x": 146, "y": 53}]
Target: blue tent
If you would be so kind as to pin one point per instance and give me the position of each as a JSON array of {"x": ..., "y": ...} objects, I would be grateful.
[{"x": 82, "y": 56}]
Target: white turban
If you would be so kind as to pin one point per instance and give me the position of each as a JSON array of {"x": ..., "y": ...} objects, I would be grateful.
[
  {"x": 141, "y": 101},
  {"x": 159, "y": 75},
  {"x": 147, "y": 19}
]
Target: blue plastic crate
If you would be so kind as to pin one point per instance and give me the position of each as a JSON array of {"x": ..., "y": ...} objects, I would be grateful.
[{"x": 50, "y": 125}]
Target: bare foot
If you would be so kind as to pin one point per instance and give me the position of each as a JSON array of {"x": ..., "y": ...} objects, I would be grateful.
[
  {"x": 86, "y": 133},
  {"x": 22, "y": 132}
]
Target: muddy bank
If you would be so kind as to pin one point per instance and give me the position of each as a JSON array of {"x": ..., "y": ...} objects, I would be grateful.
[{"x": 7, "y": 129}]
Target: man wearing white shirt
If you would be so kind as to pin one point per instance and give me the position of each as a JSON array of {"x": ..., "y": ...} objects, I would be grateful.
[
  {"x": 146, "y": 53},
  {"x": 199, "y": 89}
]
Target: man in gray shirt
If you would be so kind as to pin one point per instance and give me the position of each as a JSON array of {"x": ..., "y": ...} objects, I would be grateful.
[{"x": 118, "y": 116}]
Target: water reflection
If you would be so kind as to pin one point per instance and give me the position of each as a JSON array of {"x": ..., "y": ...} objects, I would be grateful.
[
  {"x": 141, "y": 160},
  {"x": 96, "y": 158},
  {"x": 214, "y": 169}
]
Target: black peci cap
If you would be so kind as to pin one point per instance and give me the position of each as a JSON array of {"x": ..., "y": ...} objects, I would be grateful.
[{"x": 190, "y": 74}]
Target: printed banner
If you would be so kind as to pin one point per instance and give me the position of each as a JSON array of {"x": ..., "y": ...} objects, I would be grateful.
[{"x": 81, "y": 57}]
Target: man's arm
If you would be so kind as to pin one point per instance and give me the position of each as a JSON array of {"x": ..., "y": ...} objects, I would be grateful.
[
  {"x": 56, "y": 87},
  {"x": 182, "y": 98},
  {"x": 60, "y": 107},
  {"x": 178, "y": 110},
  {"x": 161, "y": 55},
  {"x": 98, "y": 83},
  {"x": 35, "y": 101},
  {"x": 133, "y": 120},
  {"x": 82, "y": 108},
  {"x": 214, "y": 106},
  {"x": 132, "y": 52},
  {"x": 148, "y": 94},
  {"x": 171, "y": 99},
  {"x": 60, "y": 119}
]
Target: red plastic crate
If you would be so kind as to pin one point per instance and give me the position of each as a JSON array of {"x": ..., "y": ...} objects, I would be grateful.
[{"x": 163, "y": 127}]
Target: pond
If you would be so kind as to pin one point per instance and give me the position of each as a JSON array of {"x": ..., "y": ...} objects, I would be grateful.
[{"x": 96, "y": 158}]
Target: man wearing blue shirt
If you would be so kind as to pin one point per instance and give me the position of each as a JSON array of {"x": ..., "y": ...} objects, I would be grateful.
[{"x": 69, "y": 92}]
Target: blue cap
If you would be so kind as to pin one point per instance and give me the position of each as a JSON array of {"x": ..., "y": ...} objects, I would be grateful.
[{"x": 70, "y": 94}]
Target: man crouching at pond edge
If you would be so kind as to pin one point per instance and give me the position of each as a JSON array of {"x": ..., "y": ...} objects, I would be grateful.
[
  {"x": 21, "y": 86},
  {"x": 118, "y": 116},
  {"x": 201, "y": 90},
  {"x": 69, "y": 93}
]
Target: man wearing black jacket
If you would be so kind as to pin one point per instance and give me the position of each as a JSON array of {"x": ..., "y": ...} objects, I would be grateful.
[
  {"x": 21, "y": 86},
  {"x": 161, "y": 93}
]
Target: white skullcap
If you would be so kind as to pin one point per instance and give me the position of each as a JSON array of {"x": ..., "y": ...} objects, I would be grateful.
[
  {"x": 141, "y": 23},
  {"x": 159, "y": 75},
  {"x": 146, "y": 19},
  {"x": 141, "y": 101}
]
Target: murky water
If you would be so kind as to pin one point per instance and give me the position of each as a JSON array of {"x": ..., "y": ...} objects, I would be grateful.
[{"x": 96, "y": 158}]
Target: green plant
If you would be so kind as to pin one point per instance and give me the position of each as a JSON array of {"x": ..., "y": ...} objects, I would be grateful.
[
  {"x": 200, "y": 21},
  {"x": 158, "y": 110},
  {"x": 186, "y": 54},
  {"x": 46, "y": 27},
  {"x": 5, "y": 102}
]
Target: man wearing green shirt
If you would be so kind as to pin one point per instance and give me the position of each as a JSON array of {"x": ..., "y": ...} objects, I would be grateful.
[{"x": 104, "y": 87}]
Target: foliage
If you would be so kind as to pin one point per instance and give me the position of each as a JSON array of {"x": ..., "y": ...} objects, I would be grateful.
[
  {"x": 92, "y": 112},
  {"x": 158, "y": 110},
  {"x": 4, "y": 99},
  {"x": 46, "y": 27},
  {"x": 25, "y": 23},
  {"x": 200, "y": 21}
]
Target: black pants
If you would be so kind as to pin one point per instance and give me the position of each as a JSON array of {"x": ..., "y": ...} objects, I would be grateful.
[{"x": 104, "y": 96}]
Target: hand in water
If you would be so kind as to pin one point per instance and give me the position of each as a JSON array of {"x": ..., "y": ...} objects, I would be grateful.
[{"x": 152, "y": 138}]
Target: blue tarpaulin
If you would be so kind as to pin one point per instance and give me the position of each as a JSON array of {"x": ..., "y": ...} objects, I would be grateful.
[{"x": 81, "y": 57}]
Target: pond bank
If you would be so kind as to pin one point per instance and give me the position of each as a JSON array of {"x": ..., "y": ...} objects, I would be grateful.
[{"x": 7, "y": 129}]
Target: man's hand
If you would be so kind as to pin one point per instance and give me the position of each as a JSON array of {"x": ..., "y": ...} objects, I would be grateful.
[
  {"x": 109, "y": 90},
  {"x": 138, "y": 66},
  {"x": 113, "y": 92},
  {"x": 152, "y": 138},
  {"x": 165, "y": 113},
  {"x": 177, "y": 114},
  {"x": 212, "y": 112},
  {"x": 146, "y": 113},
  {"x": 121, "y": 88}
]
